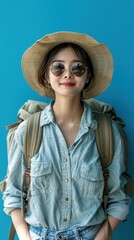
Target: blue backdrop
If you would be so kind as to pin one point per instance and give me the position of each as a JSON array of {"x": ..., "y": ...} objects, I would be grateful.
[{"x": 22, "y": 22}]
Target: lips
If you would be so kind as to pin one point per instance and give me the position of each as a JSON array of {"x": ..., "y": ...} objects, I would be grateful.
[{"x": 67, "y": 84}]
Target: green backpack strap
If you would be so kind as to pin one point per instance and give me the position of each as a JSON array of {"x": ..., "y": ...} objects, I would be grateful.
[
  {"x": 104, "y": 138},
  {"x": 32, "y": 142},
  {"x": 105, "y": 144},
  {"x": 12, "y": 232},
  {"x": 32, "y": 137}
]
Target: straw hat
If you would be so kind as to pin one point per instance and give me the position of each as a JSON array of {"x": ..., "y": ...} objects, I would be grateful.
[{"x": 100, "y": 56}]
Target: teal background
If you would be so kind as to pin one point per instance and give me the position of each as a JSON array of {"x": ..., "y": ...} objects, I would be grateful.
[{"x": 23, "y": 22}]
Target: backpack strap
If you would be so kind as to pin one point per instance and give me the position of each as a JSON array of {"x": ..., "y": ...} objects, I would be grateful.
[
  {"x": 105, "y": 144},
  {"x": 32, "y": 137},
  {"x": 12, "y": 232},
  {"x": 32, "y": 141},
  {"x": 104, "y": 138}
]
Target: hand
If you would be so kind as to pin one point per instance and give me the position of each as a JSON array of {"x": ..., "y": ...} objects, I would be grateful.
[
  {"x": 29, "y": 238},
  {"x": 26, "y": 238}
]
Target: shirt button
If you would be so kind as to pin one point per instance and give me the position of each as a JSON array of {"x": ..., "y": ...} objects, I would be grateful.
[
  {"x": 66, "y": 199},
  {"x": 65, "y": 219},
  {"x": 66, "y": 179},
  {"x": 65, "y": 161}
]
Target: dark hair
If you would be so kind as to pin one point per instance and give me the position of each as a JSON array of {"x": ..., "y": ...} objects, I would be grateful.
[{"x": 80, "y": 52}]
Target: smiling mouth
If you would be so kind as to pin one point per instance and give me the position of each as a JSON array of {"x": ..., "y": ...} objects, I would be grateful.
[{"x": 67, "y": 84}]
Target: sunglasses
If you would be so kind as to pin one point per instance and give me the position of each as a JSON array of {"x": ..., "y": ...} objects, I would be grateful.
[{"x": 77, "y": 69}]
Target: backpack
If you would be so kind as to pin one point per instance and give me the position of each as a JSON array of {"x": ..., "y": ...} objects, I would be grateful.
[{"x": 104, "y": 114}]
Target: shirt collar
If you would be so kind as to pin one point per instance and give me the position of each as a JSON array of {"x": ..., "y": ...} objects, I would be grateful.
[
  {"x": 87, "y": 119},
  {"x": 47, "y": 115}
]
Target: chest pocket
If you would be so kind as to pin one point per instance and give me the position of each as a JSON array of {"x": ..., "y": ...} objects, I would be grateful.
[
  {"x": 89, "y": 180},
  {"x": 41, "y": 178}
]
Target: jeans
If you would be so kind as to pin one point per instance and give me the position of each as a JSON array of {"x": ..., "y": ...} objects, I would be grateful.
[{"x": 78, "y": 233}]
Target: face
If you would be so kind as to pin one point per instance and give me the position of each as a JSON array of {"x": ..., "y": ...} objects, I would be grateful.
[{"x": 67, "y": 74}]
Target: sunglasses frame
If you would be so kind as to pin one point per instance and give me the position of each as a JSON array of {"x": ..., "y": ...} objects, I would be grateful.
[{"x": 70, "y": 69}]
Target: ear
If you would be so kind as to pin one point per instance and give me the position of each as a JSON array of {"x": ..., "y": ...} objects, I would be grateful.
[{"x": 48, "y": 81}]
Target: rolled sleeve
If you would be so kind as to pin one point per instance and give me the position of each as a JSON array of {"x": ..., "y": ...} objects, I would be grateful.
[{"x": 119, "y": 202}]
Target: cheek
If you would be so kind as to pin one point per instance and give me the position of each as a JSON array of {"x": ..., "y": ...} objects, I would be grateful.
[{"x": 52, "y": 79}]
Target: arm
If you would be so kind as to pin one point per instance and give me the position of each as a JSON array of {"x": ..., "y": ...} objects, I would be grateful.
[
  {"x": 103, "y": 232},
  {"x": 20, "y": 224},
  {"x": 13, "y": 193},
  {"x": 16, "y": 167},
  {"x": 118, "y": 203}
]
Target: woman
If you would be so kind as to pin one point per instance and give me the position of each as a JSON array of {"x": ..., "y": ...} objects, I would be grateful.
[{"x": 66, "y": 174}]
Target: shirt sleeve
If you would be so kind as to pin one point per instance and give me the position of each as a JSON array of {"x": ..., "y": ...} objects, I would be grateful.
[
  {"x": 12, "y": 194},
  {"x": 119, "y": 202}
]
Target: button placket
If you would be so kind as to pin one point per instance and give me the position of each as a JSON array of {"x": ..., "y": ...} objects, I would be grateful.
[
  {"x": 66, "y": 176},
  {"x": 66, "y": 191}
]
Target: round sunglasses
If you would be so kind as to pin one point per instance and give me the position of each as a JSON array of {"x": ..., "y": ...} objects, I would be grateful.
[{"x": 77, "y": 69}]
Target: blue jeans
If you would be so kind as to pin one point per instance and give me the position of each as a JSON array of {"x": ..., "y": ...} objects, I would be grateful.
[{"x": 78, "y": 233}]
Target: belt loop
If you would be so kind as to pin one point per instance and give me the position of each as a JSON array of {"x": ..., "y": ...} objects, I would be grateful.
[
  {"x": 77, "y": 235},
  {"x": 45, "y": 230}
]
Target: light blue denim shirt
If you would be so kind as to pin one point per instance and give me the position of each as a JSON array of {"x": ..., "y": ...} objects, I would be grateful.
[{"x": 66, "y": 183}]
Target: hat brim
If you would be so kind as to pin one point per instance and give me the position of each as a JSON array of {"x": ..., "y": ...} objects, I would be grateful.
[{"x": 100, "y": 56}]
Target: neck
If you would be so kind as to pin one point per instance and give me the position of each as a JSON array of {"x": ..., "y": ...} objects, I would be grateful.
[{"x": 67, "y": 110}]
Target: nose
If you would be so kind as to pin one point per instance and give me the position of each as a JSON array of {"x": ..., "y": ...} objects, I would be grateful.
[{"x": 68, "y": 74}]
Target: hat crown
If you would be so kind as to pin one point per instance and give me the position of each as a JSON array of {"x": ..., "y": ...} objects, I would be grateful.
[{"x": 60, "y": 37}]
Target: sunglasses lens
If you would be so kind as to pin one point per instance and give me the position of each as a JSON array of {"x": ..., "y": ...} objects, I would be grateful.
[
  {"x": 57, "y": 69},
  {"x": 78, "y": 69}
]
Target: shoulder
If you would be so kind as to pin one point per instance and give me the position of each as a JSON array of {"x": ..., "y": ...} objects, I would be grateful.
[
  {"x": 119, "y": 133},
  {"x": 120, "y": 147}
]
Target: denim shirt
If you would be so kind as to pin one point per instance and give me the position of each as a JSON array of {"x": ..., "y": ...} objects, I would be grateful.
[{"x": 66, "y": 183}]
